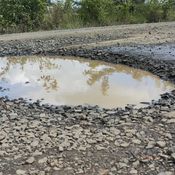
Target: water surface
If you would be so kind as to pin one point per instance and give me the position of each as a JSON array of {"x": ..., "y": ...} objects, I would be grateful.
[{"x": 75, "y": 81}]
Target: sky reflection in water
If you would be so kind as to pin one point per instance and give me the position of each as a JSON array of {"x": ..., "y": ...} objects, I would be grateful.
[{"x": 74, "y": 81}]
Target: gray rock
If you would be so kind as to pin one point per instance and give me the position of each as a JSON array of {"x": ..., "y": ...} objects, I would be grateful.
[
  {"x": 161, "y": 144},
  {"x": 61, "y": 149},
  {"x": 166, "y": 173},
  {"x": 13, "y": 116},
  {"x": 136, "y": 141},
  {"x": 37, "y": 153},
  {"x": 21, "y": 172},
  {"x": 122, "y": 164},
  {"x": 82, "y": 148},
  {"x": 30, "y": 160},
  {"x": 124, "y": 144},
  {"x": 170, "y": 114},
  {"x": 168, "y": 135},
  {"x": 43, "y": 160},
  {"x": 133, "y": 171},
  {"x": 150, "y": 145},
  {"x": 2, "y": 135},
  {"x": 136, "y": 164},
  {"x": 173, "y": 156},
  {"x": 114, "y": 131},
  {"x": 103, "y": 172},
  {"x": 171, "y": 121},
  {"x": 35, "y": 143},
  {"x": 45, "y": 138},
  {"x": 41, "y": 173},
  {"x": 91, "y": 141},
  {"x": 99, "y": 147}
]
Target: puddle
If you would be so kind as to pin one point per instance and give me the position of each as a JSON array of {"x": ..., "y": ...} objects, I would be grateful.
[{"x": 75, "y": 81}]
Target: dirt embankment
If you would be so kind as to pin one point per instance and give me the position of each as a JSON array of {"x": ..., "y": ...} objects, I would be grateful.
[{"x": 63, "y": 140}]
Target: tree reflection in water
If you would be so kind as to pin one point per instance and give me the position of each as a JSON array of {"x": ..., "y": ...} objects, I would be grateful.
[
  {"x": 92, "y": 72},
  {"x": 48, "y": 81},
  {"x": 77, "y": 81},
  {"x": 96, "y": 75}
]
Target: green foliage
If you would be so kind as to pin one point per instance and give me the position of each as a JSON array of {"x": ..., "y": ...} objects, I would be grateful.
[
  {"x": 98, "y": 12},
  {"x": 54, "y": 17},
  {"x": 62, "y": 15},
  {"x": 157, "y": 11},
  {"x": 70, "y": 16},
  {"x": 169, "y": 10},
  {"x": 28, "y": 15},
  {"x": 24, "y": 14},
  {"x": 154, "y": 11}
]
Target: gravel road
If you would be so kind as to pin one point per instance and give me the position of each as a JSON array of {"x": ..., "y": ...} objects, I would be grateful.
[
  {"x": 40, "y": 139},
  {"x": 136, "y": 33}
]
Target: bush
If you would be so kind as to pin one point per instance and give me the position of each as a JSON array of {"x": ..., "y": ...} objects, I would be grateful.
[
  {"x": 54, "y": 17},
  {"x": 97, "y": 12},
  {"x": 29, "y": 15},
  {"x": 26, "y": 15},
  {"x": 154, "y": 11},
  {"x": 62, "y": 15}
]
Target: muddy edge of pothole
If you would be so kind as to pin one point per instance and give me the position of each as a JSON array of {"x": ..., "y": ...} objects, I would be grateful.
[{"x": 165, "y": 69}]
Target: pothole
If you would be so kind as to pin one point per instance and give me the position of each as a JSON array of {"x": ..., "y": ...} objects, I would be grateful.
[{"x": 77, "y": 81}]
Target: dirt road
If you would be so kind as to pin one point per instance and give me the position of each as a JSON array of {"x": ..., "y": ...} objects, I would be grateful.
[
  {"x": 160, "y": 34},
  {"x": 137, "y": 33},
  {"x": 40, "y": 139}
]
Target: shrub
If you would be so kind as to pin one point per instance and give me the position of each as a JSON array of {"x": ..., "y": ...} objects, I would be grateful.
[
  {"x": 97, "y": 12},
  {"x": 29, "y": 15},
  {"x": 25, "y": 14}
]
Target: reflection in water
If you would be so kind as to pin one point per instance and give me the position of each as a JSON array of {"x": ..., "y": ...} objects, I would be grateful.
[
  {"x": 74, "y": 81},
  {"x": 49, "y": 82}
]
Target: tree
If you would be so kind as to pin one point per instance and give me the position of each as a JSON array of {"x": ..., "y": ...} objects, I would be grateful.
[
  {"x": 154, "y": 12},
  {"x": 139, "y": 1},
  {"x": 68, "y": 8},
  {"x": 49, "y": 2},
  {"x": 96, "y": 11},
  {"x": 28, "y": 14},
  {"x": 127, "y": 1}
]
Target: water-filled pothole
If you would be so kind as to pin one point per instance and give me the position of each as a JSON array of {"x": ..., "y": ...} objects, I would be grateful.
[{"x": 75, "y": 81}]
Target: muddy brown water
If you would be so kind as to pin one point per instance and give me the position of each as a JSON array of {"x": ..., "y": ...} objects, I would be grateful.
[{"x": 75, "y": 81}]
